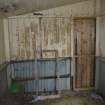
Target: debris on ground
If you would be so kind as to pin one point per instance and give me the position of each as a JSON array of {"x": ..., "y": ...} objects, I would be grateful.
[
  {"x": 11, "y": 99},
  {"x": 42, "y": 98},
  {"x": 96, "y": 97},
  {"x": 81, "y": 98}
]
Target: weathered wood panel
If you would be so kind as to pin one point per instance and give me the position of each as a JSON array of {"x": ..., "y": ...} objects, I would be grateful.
[
  {"x": 84, "y": 31},
  {"x": 29, "y": 36},
  {"x": 56, "y": 34},
  {"x": 24, "y": 38}
]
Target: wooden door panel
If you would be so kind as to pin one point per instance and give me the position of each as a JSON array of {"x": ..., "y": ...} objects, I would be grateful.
[{"x": 84, "y": 41}]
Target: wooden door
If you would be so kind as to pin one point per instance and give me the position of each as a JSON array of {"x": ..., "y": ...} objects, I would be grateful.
[{"x": 84, "y": 44}]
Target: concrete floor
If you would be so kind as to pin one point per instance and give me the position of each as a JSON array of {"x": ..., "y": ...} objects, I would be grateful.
[{"x": 75, "y": 99}]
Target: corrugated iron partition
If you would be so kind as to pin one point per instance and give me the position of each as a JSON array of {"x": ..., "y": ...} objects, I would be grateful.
[{"x": 24, "y": 72}]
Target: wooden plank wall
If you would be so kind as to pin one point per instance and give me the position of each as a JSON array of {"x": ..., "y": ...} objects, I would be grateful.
[
  {"x": 29, "y": 36},
  {"x": 23, "y": 40},
  {"x": 56, "y": 34},
  {"x": 84, "y": 31}
]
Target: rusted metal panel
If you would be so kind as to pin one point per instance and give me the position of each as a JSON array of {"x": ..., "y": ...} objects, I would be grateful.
[{"x": 84, "y": 30}]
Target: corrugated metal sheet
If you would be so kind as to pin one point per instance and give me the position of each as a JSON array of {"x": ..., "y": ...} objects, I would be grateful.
[
  {"x": 25, "y": 72},
  {"x": 2, "y": 44}
]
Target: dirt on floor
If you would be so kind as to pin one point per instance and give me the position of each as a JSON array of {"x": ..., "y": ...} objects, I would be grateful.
[
  {"x": 77, "y": 99},
  {"x": 12, "y": 99},
  {"x": 70, "y": 101}
]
